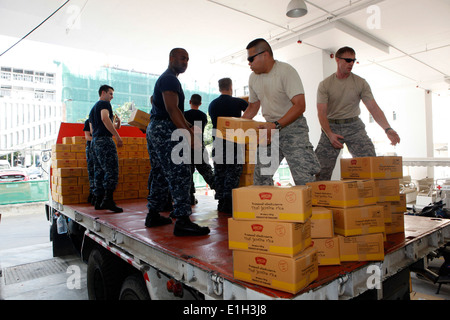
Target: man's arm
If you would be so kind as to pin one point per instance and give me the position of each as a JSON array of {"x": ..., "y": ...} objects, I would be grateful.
[
  {"x": 380, "y": 118},
  {"x": 104, "y": 113},
  {"x": 297, "y": 109},
  {"x": 252, "y": 110},
  {"x": 171, "y": 103},
  {"x": 322, "y": 115}
]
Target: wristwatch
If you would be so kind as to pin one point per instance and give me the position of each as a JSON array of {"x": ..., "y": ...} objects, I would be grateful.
[{"x": 277, "y": 125}]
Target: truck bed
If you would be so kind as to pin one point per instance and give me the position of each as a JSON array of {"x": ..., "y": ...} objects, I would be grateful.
[{"x": 211, "y": 254}]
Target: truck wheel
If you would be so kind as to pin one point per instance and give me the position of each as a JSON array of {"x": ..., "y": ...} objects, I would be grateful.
[
  {"x": 134, "y": 288},
  {"x": 103, "y": 276}
]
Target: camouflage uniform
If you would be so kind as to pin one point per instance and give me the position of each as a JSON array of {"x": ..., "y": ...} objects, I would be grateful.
[
  {"x": 356, "y": 139},
  {"x": 90, "y": 164},
  {"x": 106, "y": 164},
  {"x": 167, "y": 175},
  {"x": 227, "y": 168},
  {"x": 294, "y": 145}
]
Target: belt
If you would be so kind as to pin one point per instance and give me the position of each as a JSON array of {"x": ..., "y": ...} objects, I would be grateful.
[{"x": 342, "y": 121}]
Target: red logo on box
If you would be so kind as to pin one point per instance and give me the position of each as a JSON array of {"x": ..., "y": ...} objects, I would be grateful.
[
  {"x": 322, "y": 187},
  {"x": 261, "y": 260},
  {"x": 227, "y": 123},
  {"x": 353, "y": 162},
  {"x": 265, "y": 196},
  {"x": 257, "y": 227}
]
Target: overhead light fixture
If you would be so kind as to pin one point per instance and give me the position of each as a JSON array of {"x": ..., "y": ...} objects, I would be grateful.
[{"x": 296, "y": 9}]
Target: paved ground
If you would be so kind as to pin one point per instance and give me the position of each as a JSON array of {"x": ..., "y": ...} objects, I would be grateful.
[{"x": 28, "y": 269}]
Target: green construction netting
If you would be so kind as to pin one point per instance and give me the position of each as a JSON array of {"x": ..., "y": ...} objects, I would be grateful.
[{"x": 23, "y": 191}]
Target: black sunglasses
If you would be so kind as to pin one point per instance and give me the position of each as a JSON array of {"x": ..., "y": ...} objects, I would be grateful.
[
  {"x": 251, "y": 58},
  {"x": 348, "y": 60}
]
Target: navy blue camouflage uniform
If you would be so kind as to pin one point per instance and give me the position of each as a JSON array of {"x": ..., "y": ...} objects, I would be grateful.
[
  {"x": 105, "y": 158},
  {"x": 89, "y": 158},
  {"x": 167, "y": 174}
]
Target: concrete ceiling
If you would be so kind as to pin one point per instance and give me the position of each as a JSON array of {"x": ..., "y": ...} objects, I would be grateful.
[{"x": 407, "y": 41}]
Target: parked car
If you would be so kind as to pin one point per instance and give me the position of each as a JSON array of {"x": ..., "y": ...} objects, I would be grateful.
[{"x": 13, "y": 175}]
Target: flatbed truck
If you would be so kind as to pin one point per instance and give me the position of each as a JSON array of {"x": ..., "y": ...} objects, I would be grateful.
[{"x": 126, "y": 260}]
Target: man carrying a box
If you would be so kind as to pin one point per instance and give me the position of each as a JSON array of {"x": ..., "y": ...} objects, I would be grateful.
[
  {"x": 277, "y": 88},
  {"x": 227, "y": 170},
  {"x": 338, "y": 98},
  {"x": 104, "y": 126},
  {"x": 166, "y": 118}
]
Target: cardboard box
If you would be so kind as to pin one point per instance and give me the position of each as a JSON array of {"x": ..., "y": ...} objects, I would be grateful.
[
  {"x": 68, "y": 199},
  {"x": 68, "y": 172},
  {"x": 246, "y": 180},
  {"x": 387, "y": 211},
  {"x": 368, "y": 247},
  {"x": 387, "y": 190},
  {"x": 69, "y": 190},
  {"x": 139, "y": 119},
  {"x": 277, "y": 272},
  {"x": 63, "y": 155},
  {"x": 238, "y": 130},
  {"x": 322, "y": 223},
  {"x": 78, "y": 148},
  {"x": 67, "y": 181},
  {"x": 280, "y": 238},
  {"x": 289, "y": 204},
  {"x": 397, "y": 225},
  {"x": 59, "y": 147},
  {"x": 372, "y": 168},
  {"x": 327, "y": 251},
  {"x": 65, "y": 163},
  {"x": 79, "y": 140},
  {"x": 358, "y": 220},
  {"x": 399, "y": 206},
  {"x": 344, "y": 193}
]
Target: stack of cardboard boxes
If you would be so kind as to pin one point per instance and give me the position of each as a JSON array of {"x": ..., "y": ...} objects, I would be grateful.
[
  {"x": 270, "y": 235},
  {"x": 362, "y": 209},
  {"x": 70, "y": 182}
]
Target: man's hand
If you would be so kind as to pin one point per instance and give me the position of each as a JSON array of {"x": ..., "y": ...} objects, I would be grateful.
[
  {"x": 393, "y": 136},
  {"x": 266, "y": 130},
  {"x": 334, "y": 140}
]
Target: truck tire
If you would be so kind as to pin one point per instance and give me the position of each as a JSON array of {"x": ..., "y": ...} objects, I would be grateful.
[
  {"x": 134, "y": 288},
  {"x": 103, "y": 275}
]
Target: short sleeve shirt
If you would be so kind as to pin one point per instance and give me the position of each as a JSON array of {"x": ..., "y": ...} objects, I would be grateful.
[
  {"x": 226, "y": 106},
  {"x": 98, "y": 127},
  {"x": 168, "y": 81},
  {"x": 193, "y": 115},
  {"x": 275, "y": 90},
  {"x": 343, "y": 96}
]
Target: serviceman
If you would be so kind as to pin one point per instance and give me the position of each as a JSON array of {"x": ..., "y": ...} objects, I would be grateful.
[
  {"x": 227, "y": 170},
  {"x": 338, "y": 99},
  {"x": 167, "y": 172},
  {"x": 198, "y": 118},
  {"x": 104, "y": 125},
  {"x": 276, "y": 87}
]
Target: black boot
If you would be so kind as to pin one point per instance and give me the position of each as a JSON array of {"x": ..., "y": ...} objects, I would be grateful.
[
  {"x": 90, "y": 197},
  {"x": 98, "y": 202},
  {"x": 93, "y": 199},
  {"x": 227, "y": 206},
  {"x": 194, "y": 201},
  {"x": 109, "y": 204},
  {"x": 185, "y": 227},
  {"x": 154, "y": 219}
]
